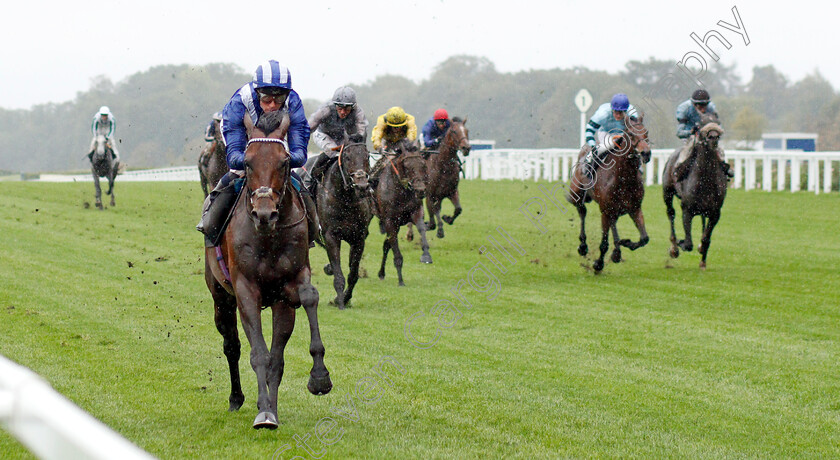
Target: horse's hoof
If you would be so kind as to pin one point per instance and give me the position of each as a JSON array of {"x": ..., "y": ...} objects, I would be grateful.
[
  {"x": 320, "y": 385},
  {"x": 265, "y": 420},
  {"x": 328, "y": 269},
  {"x": 583, "y": 249},
  {"x": 409, "y": 236},
  {"x": 702, "y": 266},
  {"x": 426, "y": 258},
  {"x": 431, "y": 225},
  {"x": 447, "y": 219},
  {"x": 440, "y": 232},
  {"x": 236, "y": 402},
  {"x": 401, "y": 284},
  {"x": 675, "y": 252},
  {"x": 598, "y": 265},
  {"x": 616, "y": 257},
  {"x": 381, "y": 275}
]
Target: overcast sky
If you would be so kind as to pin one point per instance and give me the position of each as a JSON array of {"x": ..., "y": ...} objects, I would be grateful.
[{"x": 49, "y": 50}]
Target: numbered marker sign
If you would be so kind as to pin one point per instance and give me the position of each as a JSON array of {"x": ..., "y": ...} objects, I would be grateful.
[{"x": 583, "y": 100}]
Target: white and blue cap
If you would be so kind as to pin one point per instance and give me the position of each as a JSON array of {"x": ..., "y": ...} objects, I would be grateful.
[{"x": 272, "y": 74}]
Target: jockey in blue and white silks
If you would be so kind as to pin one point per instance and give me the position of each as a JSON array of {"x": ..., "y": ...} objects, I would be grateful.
[
  {"x": 104, "y": 123},
  {"x": 609, "y": 120},
  {"x": 270, "y": 80}
]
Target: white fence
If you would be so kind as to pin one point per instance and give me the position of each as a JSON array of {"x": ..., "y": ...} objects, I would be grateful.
[
  {"x": 52, "y": 427},
  {"x": 776, "y": 168},
  {"x": 556, "y": 164}
]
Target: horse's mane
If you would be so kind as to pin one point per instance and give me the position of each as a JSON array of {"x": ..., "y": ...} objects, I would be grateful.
[
  {"x": 457, "y": 120},
  {"x": 270, "y": 121}
]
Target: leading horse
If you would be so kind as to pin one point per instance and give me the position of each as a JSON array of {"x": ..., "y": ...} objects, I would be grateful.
[
  {"x": 701, "y": 192},
  {"x": 345, "y": 211},
  {"x": 618, "y": 189},
  {"x": 263, "y": 261},
  {"x": 214, "y": 164},
  {"x": 399, "y": 200},
  {"x": 103, "y": 163},
  {"x": 444, "y": 169}
]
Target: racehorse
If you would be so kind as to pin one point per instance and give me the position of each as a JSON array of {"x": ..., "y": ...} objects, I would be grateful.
[
  {"x": 263, "y": 261},
  {"x": 444, "y": 168},
  {"x": 618, "y": 189},
  {"x": 345, "y": 211},
  {"x": 214, "y": 165},
  {"x": 701, "y": 192},
  {"x": 399, "y": 201},
  {"x": 103, "y": 163}
]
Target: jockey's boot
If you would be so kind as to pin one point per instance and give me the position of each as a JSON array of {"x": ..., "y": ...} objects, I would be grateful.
[
  {"x": 217, "y": 207},
  {"x": 726, "y": 169},
  {"x": 312, "y": 218}
]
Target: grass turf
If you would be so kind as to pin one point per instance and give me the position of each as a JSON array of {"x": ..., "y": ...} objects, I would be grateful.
[{"x": 652, "y": 358}]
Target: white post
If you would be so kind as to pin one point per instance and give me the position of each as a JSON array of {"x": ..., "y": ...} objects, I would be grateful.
[
  {"x": 794, "y": 174},
  {"x": 582, "y": 128},
  {"x": 736, "y": 183},
  {"x": 780, "y": 173},
  {"x": 649, "y": 172},
  {"x": 767, "y": 174},
  {"x": 827, "y": 175}
]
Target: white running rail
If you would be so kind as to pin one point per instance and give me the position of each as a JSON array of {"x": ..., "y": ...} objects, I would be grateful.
[{"x": 51, "y": 426}]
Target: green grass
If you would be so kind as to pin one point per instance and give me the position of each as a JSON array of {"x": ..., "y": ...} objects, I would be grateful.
[{"x": 652, "y": 358}]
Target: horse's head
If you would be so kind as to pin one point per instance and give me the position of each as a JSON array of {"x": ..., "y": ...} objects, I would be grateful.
[
  {"x": 267, "y": 168},
  {"x": 710, "y": 135},
  {"x": 354, "y": 164},
  {"x": 634, "y": 141},
  {"x": 102, "y": 148},
  {"x": 459, "y": 136},
  {"x": 413, "y": 174}
]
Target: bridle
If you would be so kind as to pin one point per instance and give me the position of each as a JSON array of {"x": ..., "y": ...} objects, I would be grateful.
[
  {"x": 358, "y": 174},
  {"x": 270, "y": 192},
  {"x": 406, "y": 184}
]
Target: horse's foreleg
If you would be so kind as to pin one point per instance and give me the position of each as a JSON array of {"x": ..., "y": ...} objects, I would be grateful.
[
  {"x": 319, "y": 377},
  {"x": 386, "y": 246},
  {"x": 225, "y": 316},
  {"x": 686, "y": 244},
  {"x": 356, "y": 251},
  {"x": 706, "y": 240},
  {"x": 456, "y": 202},
  {"x": 283, "y": 323},
  {"x": 425, "y": 258},
  {"x": 583, "y": 249},
  {"x": 668, "y": 195},
  {"x": 333, "y": 245},
  {"x": 606, "y": 223},
  {"x": 249, "y": 312},
  {"x": 98, "y": 190},
  {"x": 111, "y": 178},
  {"x": 431, "y": 224},
  {"x": 616, "y": 254},
  {"x": 638, "y": 219},
  {"x": 435, "y": 217}
]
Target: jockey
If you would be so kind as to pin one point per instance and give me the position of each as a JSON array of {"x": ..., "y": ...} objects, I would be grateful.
[
  {"x": 332, "y": 125},
  {"x": 269, "y": 91},
  {"x": 606, "y": 123},
  {"x": 395, "y": 130},
  {"x": 210, "y": 138},
  {"x": 435, "y": 129},
  {"x": 104, "y": 123},
  {"x": 688, "y": 115}
]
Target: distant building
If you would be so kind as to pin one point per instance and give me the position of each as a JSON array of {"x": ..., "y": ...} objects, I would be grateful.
[
  {"x": 806, "y": 142},
  {"x": 480, "y": 144}
]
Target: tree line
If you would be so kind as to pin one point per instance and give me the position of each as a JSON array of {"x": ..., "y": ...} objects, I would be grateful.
[{"x": 162, "y": 112}]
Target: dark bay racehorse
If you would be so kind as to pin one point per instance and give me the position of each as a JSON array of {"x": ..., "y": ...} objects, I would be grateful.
[
  {"x": 345, "y": 211},
  {"x": 444, "y": 169},
  {"x": 399, "y": 201},
  {"x": 215, "y": 165},
  {"x": 265, "y": 254},
  {"x": 701, "y": 193},
  {"x": 103, "y": 163},
  {"x": 618, "y": 189}
]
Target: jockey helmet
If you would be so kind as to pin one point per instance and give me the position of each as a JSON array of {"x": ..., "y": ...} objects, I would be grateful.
[
  {"x": 620, "y": 102},
  {"x": 345, "y": 97},
  {"x": 701, "y": 96},
  {"x": 271, "y": 74},
  {"x": 440, "y": 114},
  {"x": 395, "y": 116},
  {"x": 104, "y": 110},
  {"x": 217, "y": 116}
]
